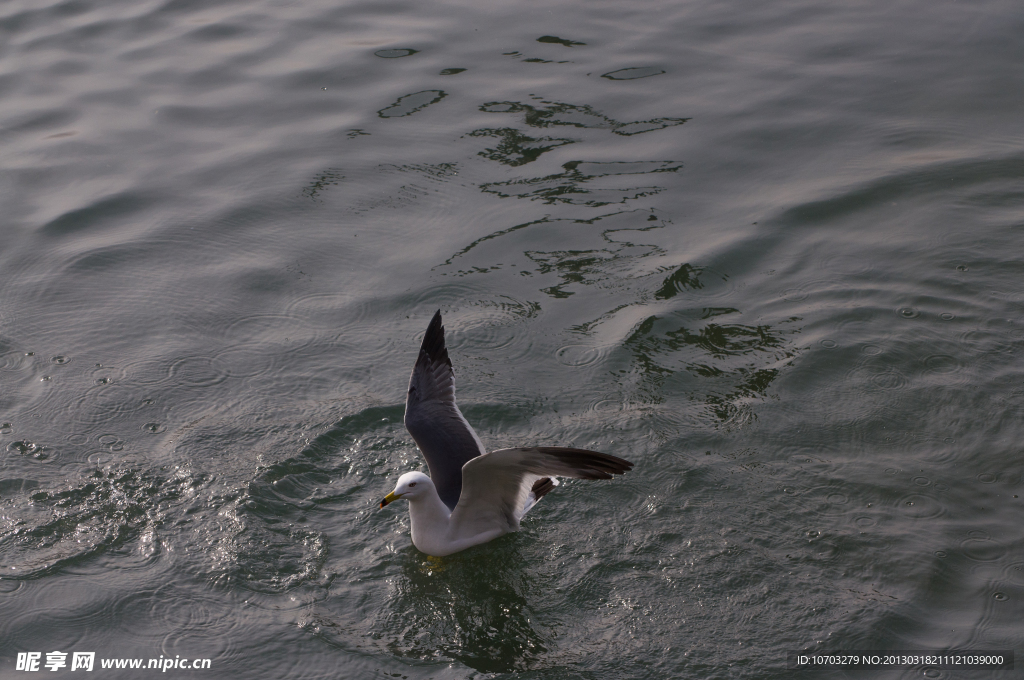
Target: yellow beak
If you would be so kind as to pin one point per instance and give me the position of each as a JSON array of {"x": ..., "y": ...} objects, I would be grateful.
[{"x": 391, "y": 497}]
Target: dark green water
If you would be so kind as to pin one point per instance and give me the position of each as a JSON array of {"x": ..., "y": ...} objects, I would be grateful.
[{"x": 773, "y": 253}]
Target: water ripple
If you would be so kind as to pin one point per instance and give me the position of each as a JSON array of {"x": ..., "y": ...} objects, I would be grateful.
[{"x": 917, "y": 506}]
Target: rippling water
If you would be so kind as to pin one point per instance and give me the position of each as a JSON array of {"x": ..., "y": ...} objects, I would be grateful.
[{"x": 769, "y": 252}]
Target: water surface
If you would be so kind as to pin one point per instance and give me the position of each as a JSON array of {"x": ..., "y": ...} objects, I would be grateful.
[{"x": 768, "y": 252}]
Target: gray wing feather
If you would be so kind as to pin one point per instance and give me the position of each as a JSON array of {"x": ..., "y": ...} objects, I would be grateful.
[
  {"x": 434, "y": 421},
  {"x": 496, "y": 486}
]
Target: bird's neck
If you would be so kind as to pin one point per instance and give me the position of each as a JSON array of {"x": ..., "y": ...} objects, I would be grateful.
[{"x": 428, "y": 517}]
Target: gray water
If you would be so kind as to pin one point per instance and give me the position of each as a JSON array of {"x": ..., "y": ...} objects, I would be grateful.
[{"x": 773, "y": 253}]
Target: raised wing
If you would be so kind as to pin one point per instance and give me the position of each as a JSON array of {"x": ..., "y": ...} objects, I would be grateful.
[
  {"x": 434, "y": 421},
  {"x": 497, "y": 485}
]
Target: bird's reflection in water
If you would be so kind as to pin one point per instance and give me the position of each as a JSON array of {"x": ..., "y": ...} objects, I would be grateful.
[{"x": 475, "y": 607}]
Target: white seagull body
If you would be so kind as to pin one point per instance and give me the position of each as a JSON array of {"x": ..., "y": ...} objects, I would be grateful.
[{"x": 472, "y": 496}]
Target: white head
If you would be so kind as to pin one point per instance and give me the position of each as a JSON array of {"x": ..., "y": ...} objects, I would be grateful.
[{"x": 410, "y": 486}]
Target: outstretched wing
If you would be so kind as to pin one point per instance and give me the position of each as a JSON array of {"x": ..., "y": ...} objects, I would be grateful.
[
  {"x": 434, "y": 421},
  {"x": 497, "y": 485}
]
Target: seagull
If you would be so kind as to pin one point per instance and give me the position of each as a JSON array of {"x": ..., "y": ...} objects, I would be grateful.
[{"x": 472, "y": 496}]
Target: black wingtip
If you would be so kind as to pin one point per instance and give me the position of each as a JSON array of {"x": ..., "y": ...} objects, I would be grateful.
[
  {"x": 433, "y": 340},
  {"x": 591, "y": 464},
  {"x": 434, "y": 328}
]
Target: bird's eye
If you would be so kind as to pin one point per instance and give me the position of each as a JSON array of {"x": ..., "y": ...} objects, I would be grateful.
[{"x": 412, "y": 485}]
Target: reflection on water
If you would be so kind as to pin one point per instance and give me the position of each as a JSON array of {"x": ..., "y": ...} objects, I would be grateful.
[
  {"x": 737, "y": 363},
  {"x": 411, "y": 103},
  {"x": 328, "y": 178},
  {"x": 633, "y": 73},
  {"x": 592, "y": 249},
  {"x": 559, "y": 41},
  {"x": 544, "y": 114},
  {"x": 585, "y": 183},
  {"x": 516, "y": 54},
  {"x": 515, "y": 148},
  {"x": 681, "y": 344},
  {"x": 686, "y": 277},
  {"x": 395, "y": 53}
]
